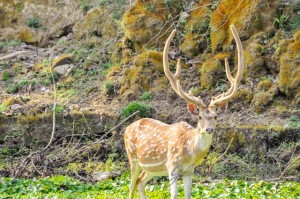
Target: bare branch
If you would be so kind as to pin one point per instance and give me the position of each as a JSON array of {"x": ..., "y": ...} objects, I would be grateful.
[{"x": 11, "y": 55}]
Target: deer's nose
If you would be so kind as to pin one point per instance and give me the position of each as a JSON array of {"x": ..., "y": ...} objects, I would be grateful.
[{"x": 209, "y": 130}]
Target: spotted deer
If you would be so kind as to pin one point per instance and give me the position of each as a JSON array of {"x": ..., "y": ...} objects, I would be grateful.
[{"x": 174, "y": 150}]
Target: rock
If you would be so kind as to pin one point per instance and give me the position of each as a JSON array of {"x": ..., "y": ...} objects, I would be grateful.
[
  {"x": 28, "y": 35},
  {"x": 45, "y": 89},
  {"x": 64, "y": 69},
  {"x": 183, "y": 17},
  {"x": 62, "y": 60},
  {"x": 100, "y": 176},
  {"x": 15, "y": 106}
]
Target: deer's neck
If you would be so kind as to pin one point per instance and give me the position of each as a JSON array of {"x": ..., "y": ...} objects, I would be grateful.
[{"x": 202, "y": 140}]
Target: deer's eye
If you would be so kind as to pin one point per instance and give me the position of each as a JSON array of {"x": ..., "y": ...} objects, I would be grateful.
[
  {"x": 216, "y": 117},
  {"x": 200, "y": 118}
]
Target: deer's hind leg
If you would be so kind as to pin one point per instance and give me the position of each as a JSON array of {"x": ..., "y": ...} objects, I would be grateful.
[
  {"x": 142, "y": 181},
  {"x": 134, "y": 171}
]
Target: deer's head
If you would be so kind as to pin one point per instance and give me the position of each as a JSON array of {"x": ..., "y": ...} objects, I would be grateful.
[{"x": 207, "y": 115}]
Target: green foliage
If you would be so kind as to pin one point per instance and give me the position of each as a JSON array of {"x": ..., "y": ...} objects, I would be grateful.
[
  {"x": 294, "y": 122},
  {"x": 105, "y": 68},
  {"x": 294, "y": 23},
  {"x": 117, "y": 6},
  {"x": 78, "y": 72},
  {"x": 143, "y": 109},
  {"x": 3, "y": 44},
  {"x": 200, "y": 28},
  {"x": 4, "y": 107},
  {"x": 296, "y": 7},
  {"x": 12, "y": 88},
  {"x": 169, "y": 3},
  {"x": 85, "y": 6},
  {"x": 151, "y": 8},
  {"x": 281, "y": 21},
  {"x": 108, "y": 87},
  {"x": 15, "y": 87},
  {"x": 34, "y": 22},
  {"x": 5, "y": 151},
  {"x": 5, "y": 76},
  {"x": 69, "y": 188},
  {"x": 146, "y": 95},
  {"x": 59, "y": 109}
]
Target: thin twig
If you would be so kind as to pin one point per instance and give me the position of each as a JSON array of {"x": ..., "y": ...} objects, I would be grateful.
[
  {"x": 53, "y": 113},
  {"x": 133, "y": 114},
  {"x": 221, "y": 156},
  {"x": 288, "y": 166}
]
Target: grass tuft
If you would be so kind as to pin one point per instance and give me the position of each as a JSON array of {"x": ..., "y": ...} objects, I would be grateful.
[{"x": 144, "y": 110}]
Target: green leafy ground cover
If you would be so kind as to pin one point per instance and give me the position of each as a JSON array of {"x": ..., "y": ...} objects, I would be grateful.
[{"x": 67, "y": 187}]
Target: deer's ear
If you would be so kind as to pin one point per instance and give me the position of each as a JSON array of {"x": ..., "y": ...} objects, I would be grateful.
[{"x": 192, "y": 108}]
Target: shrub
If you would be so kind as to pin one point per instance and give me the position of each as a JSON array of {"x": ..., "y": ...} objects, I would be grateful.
[
  {"x": 294, "y": 23},
  {"x": 3, "y": 44},
  {"x": 144, "y": 110},
  {"x": 6, "y": 76},
  {"x": 108, "y": 87},
  {"x": 12, "y": 88},
  {"x": 59, "y": 109},
  {"x": 85, "y": 6},
  {"x": 146, "y": 95},
  {"x": 34, "y": 22}
]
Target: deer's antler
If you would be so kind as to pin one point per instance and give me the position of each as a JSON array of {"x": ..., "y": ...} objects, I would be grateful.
[
  {"x": 225, "y": 97},
  {"x": 174, "y": 79},
  {"x": 215, "y": 101}
]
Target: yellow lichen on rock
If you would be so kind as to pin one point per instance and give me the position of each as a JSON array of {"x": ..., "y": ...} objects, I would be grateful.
[
  {"x": 229, "y": 12},
  {"x": 137, "y": 77},
  {"x": 254, "y": 64},
  {"x": 28, "y": 35},
  {"x": 197, "y": 29},
  {"x": 145, "y": 24},
  {"x": 261, "y": 100},
  {"x": 243, "y": 94},
  {"x": 289, "y": 74},
  {"x": 264, "y": 85},
  {"x": 98, "y": 23},
  {"x": 211, "y": 72}
]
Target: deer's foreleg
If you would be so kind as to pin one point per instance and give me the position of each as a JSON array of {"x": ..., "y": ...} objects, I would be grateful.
[{"x": 187, "y": 181}]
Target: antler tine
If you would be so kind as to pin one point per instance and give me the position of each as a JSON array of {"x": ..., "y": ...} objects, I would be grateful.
[
  {"x": 175, "y": 83},
  {"x": 234, "y": 81},
  {"x": 230, "y": 78},
  {"x": 188, "y": 97},
  {"x": 166, "y": 63}
]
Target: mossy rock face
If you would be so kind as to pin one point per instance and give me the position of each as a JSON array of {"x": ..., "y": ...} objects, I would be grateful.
[
  {"x": 289, "y": 74},
  {"x": 145, "y": 24},
  {"x": 211, "y": 72},
  {"x": 197, "y": 30},
  {"x": 28, "y": 35},
  {"x": 93, "y": 25},
  {"x": 243, "y": 94},
  {"x": 10, "y": 11},
  {"x": 140, "y": 76},
  {"x": 36, "y": 22},
  {"x": 264, "y": 85},
  {"x": 254, "y": 64},
  {"x": 261, "y": 100},
  {"x": 142, "y": 26},
  {"x": 254, "y": 14}
]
